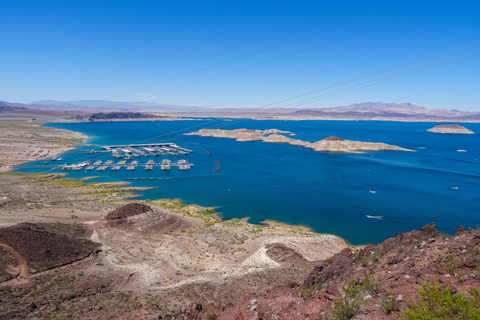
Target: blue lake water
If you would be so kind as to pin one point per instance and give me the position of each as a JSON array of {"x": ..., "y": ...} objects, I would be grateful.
[{"x": 364, "y": 198}]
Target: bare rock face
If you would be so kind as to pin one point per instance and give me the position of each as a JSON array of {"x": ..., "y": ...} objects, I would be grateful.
[
  {"x": 40, "y": 247},
  {"x": 336, "y": 144},
  {"x": 9, "y": 265},
  {"x": 140, "y": 217},
  {"x": 450, "y": 128},
  {"x": 284, "y": 255},
  {"x": 395, "y": 269},
  {"x": 329, "y": 144},
  {"x": 128, "y": 210},
  {"x": 333, "y": 138}
]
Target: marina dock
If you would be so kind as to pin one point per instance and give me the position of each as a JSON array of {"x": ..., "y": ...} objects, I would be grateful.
[
  {"x": 146, "y": 150},
  {"x": 127, "y": 153},
  {"x": 166, "y": 165}
]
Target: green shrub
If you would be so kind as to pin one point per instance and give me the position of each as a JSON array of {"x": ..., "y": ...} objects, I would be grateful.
[
  {"x": 389, "y": 304},
  {"x": 307, "y": 292},
  {"x": 368, "y": 285},
  {"x": 345, "y": 308},
  {"x": 210, "y": 313},
  {"x": 438, "y": 304}
]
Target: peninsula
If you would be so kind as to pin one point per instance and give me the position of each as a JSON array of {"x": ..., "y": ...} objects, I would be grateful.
[
  {"x": 450, "y": 128},
  {"x": 330, "y": 144}
]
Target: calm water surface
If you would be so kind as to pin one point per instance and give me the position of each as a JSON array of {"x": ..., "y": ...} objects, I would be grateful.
[{"x": 364, "y": 197}]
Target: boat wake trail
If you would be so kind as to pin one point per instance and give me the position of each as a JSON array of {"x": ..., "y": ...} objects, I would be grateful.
[{"x": 375, "y": 217}]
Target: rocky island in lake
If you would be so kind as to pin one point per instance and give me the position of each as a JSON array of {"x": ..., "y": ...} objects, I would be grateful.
[
  {"x": 331, "y": 144},
  {"x": 450, "y": 128}
]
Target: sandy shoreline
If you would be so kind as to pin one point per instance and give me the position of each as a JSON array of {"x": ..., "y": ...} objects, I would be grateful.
[{"x": 23, "y": 142}]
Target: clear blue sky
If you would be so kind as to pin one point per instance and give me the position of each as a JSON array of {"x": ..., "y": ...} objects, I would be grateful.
[{"x": 96, "y": 50}]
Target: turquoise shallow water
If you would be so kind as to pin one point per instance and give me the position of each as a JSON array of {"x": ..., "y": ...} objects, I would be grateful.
[{"x": 364, "y": 198}]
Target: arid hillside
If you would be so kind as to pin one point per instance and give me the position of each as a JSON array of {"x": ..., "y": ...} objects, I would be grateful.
[
  {"x": 73, "y": 250},
  {"x": 417, "y": 275},
  {"x": 95, "y": 254}
]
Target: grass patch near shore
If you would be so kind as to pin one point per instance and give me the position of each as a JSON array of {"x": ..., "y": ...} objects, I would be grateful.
[
  {"x": 208, "y": 215},
  {"x": 70, "y": 183},
  {"x": 70, "y": 141}
]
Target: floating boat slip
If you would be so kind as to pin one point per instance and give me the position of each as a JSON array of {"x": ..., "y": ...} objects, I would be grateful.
[
  {"x": 116, "y": 168},
  {"x": 89, "y": 168},
  {"x": 102, "y": 168},
  {"x": 97, "y": 163},
  {"x": 151, "y": 162},
  {"x": 149, "y": 167},
  {"x": 131, "y": 168},
  {"x": 183, "y": 165},
  {"x": 165, "y": 165}
]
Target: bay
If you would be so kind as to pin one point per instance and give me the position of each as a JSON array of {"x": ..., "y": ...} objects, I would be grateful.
[{"x": 362, "y": 197}]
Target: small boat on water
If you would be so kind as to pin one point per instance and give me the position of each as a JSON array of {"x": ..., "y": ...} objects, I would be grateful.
[{"x": 375, "y": 217}]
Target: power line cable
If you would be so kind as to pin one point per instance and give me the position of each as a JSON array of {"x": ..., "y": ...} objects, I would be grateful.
[
  {"x": 252, "y": 53},
  {"x": 384, "y": 79},
  {"x": 271, "y": 60},
  {"x": 373, "y": 82}
]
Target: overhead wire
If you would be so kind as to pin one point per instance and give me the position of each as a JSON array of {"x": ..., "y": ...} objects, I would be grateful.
[
  {"x": 386, "y": 78},
  {"x": 271, "y": 60},
  {"x": 223, "y": 124},
  {"x": 369, "y": 17}
]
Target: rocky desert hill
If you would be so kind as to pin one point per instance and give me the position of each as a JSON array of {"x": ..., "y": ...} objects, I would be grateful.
[
  {"x": 329, "y": 144},
  {"x": 137, "y": 263},
  {"x": 357, "y": 111},
  {"x": 451, "y": 128},
  {"x": 417, "y": 275},
  {"x": 141, "y": 261}
]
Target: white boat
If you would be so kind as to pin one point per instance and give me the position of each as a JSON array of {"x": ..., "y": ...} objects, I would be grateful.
[{"x": 375, "y": 217}]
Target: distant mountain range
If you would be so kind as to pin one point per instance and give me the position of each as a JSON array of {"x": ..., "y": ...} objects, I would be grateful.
[
  {"x": 80, "y": 105},
  {"x": 390, "y": 110},
  {"x": 357, "y": 111}
]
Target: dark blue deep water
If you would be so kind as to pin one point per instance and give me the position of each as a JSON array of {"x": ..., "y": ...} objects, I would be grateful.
[{"x": 331, "y": 193}]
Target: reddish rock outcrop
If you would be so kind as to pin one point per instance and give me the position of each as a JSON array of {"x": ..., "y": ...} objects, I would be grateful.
[
  {"x": 40, "y": 247},
  {"x": 395, "y": 268},
  {"x": 129, "y": 210},
  {"x": 135, "y": 216}
]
